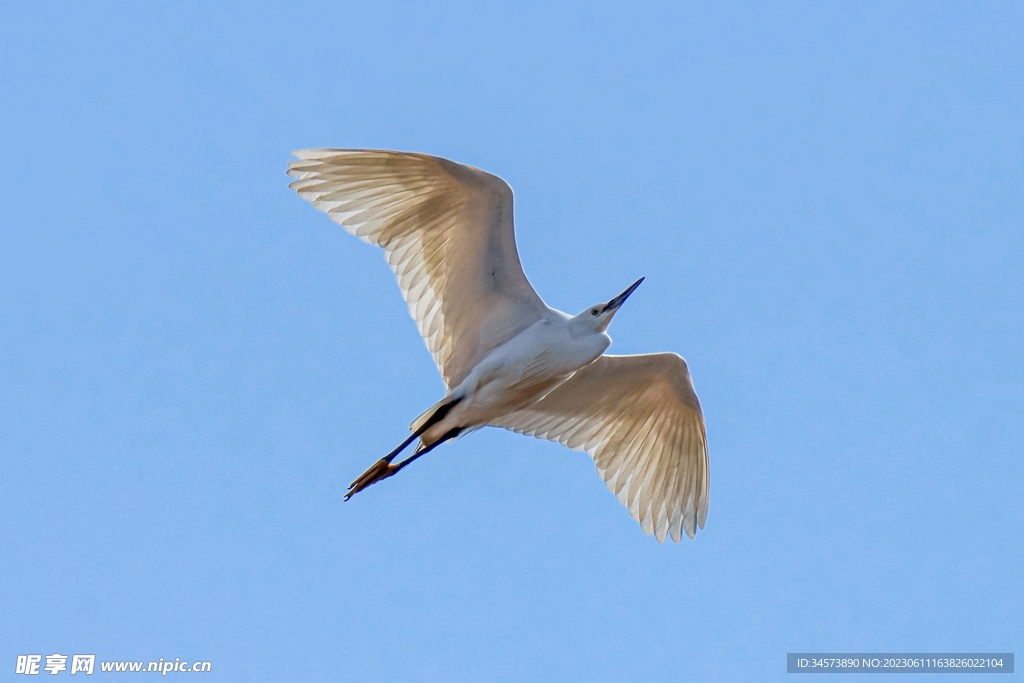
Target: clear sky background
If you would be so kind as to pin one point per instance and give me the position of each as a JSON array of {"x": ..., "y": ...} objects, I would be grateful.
[{"x": 827, "y": 200}]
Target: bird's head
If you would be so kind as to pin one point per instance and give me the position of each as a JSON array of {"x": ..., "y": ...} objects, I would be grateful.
[{"x": 598, "y": 317}]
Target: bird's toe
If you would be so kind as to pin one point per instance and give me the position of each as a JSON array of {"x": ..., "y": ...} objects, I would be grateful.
[{"x": 382, "y": 469}]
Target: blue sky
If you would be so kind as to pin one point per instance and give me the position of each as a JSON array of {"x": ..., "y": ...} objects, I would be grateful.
[{"x": 827, "y": 200}]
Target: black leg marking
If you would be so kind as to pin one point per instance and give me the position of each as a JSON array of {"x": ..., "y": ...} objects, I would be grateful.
[
  {"x": 449, "y": 435},
  {"x": 438, "y": 415},
  {"x": 401, "y": 447}
]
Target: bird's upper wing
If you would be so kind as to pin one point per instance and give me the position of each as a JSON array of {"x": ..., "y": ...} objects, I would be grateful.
[
  {"x": 638, "y": 416},
  {"x": 446, "y": 230}
]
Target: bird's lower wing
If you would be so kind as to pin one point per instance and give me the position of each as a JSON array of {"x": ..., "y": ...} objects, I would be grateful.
[
  {"x": 446, "y": 230},
  {"x": 638, "y": 416}
]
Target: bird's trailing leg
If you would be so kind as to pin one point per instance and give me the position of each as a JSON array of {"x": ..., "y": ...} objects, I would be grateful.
[{"x": 382, "y": 469}]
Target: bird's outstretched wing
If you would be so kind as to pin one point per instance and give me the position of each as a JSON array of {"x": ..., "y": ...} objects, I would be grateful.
[
  {"x": 446, "y": 231},
  {"x": 638, "y": 416}
]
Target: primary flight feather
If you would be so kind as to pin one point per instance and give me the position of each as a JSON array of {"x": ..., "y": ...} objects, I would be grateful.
[{"x": 507, "y": 358}]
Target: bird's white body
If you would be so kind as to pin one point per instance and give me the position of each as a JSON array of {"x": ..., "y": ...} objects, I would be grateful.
[
  {"x": 508, "y": 359},
  {"x": 522, "y": 371}
]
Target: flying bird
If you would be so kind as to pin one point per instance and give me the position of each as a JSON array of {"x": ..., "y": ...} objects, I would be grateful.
[{"x": 508, "y": 359}]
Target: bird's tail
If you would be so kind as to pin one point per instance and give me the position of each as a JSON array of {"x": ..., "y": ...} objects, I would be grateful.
[{"x": 418, "y": 423}]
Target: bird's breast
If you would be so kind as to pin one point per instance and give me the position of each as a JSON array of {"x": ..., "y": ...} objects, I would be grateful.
[{"x": 524, "y": 370}]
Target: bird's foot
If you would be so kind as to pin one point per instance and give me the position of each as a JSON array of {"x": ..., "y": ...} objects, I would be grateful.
[{"x": 382, "y": 469}]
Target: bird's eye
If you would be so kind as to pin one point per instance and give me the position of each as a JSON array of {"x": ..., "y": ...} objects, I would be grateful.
[{"x": 594, "y": 312}]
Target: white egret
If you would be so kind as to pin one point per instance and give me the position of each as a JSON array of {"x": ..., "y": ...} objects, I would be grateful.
[{"x": 507, "y": 358}]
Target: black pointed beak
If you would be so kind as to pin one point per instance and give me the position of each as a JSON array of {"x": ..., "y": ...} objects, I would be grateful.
[{"x": 618, "y": 301}]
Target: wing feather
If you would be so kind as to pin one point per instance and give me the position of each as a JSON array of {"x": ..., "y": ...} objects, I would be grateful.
[
  {"x": 639, "y": 418},
  {"x": 447, "y": 233}
]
